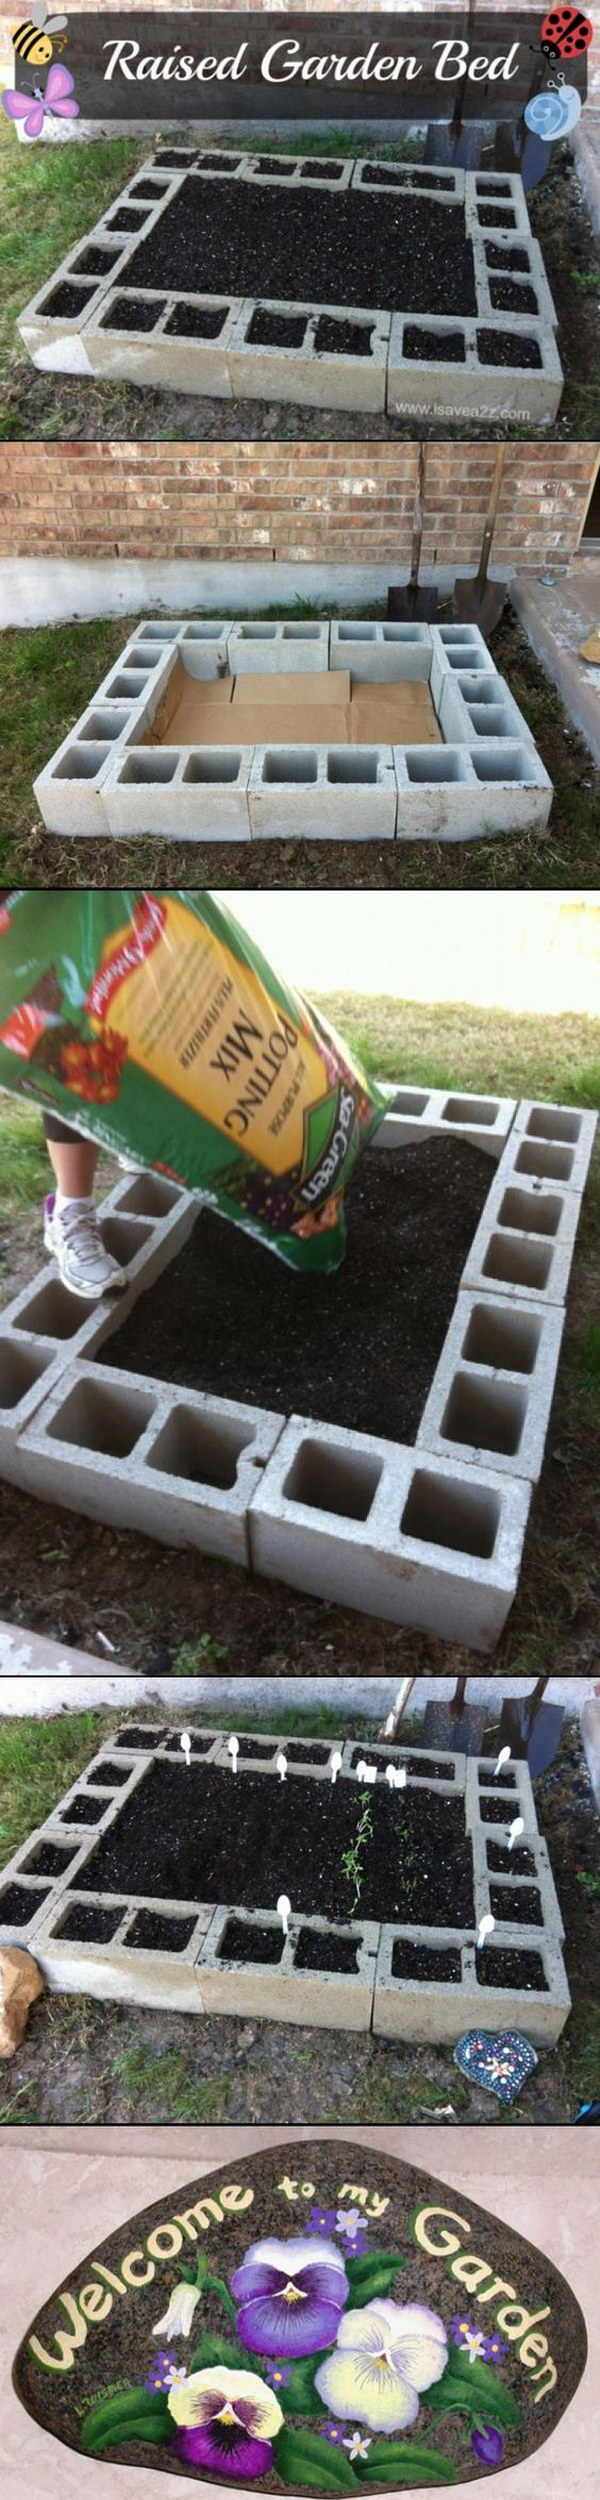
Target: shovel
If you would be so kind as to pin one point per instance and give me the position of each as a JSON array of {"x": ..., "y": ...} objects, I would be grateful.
[
  {"x": 410, "y": 600},
  {"x": 480, "y": 602},
  {"x": 454, "y": 1725},
  {"x": 533, "y": 1728}
]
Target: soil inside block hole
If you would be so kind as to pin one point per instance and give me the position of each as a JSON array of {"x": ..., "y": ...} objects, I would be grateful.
[
  {"x": 358, "y": 1348},
  {"x": 208, "y": 1834},
  {"x": 312, "y": 246},
  {"x": 85, "y": 1922},
  {"x": 497, "y": 1968}
]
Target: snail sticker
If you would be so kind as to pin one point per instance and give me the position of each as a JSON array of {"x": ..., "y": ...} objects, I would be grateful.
[
  {"x": 316, "y": 2318},
  {"x": 565, "y": 35}
]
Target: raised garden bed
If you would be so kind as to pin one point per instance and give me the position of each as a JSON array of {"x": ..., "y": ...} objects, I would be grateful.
[
  {"x": 168, "y": 1894},
  {"x": 352, "y": 285},
  {"x": 426, "y": 1532},
  {"x": 332, "y": 731}
]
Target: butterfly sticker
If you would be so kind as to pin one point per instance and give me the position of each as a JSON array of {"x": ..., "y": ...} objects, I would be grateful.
[{"x": 57, "y": 97}]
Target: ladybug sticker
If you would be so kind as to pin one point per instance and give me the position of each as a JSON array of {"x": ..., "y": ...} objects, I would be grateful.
[{"x": 566, "y": 34}]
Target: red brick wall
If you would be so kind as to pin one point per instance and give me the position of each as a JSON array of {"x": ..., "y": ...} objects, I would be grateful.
[{"x": 313, "y": 502}]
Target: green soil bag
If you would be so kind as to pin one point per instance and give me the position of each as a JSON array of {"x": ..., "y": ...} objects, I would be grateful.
[{"x": 152, "y": 1023}]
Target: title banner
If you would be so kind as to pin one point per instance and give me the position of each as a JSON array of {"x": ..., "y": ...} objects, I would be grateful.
[{"x": 155, "y": 68}]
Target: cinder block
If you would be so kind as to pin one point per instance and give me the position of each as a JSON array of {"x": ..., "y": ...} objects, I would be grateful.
[
  {"x": 524, "y": 1241},
  {"x": 445, "y": 366},
  {"x": 460, "y": 793},
  {"x": 394, "y": 1532},
  {"x": 329, "y": 356},
  {"x": 457, "y": 650},
  {"x": 286, "y": 1988},
  {"x": 144, "y": 1220},
  {"x": 324, "y": 793},
  {"x": 203, "y": 647},
  {"x": 261, "y": 649},
  {"x": 295, "y": 171},
  {"x": 446, "y": 2008},
  {"x": 553, "y": 1142},
  {"x": 119, "y": 1968},
  {"x": 492, "y": 1392},
  {"x": 185, "y": 793},
  {"x": 416, "y": 1113},
  {"x": 70, "y": 789},
  {"x": 26, "y": 1371},
  {"x": 172, "y": 1463},
  {"x": 477, "y": 704},
  {"x": 414, "y": 180},
  {"x": 496, "y": 203},
  {"x": 163, "y": 339},
  {"x": 381, "y": 654}
]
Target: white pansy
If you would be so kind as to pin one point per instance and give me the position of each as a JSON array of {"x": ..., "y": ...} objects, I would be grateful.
[
  {"x": 214, "y": 2396},
  {"x": 179, "y": 2317},
  {"x": 386, "y": 2356}
]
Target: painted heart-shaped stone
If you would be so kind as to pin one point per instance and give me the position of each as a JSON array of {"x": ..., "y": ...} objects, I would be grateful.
[
  {"x": 500, "y": 2060},
  {"x": 319, "y": 2318}
]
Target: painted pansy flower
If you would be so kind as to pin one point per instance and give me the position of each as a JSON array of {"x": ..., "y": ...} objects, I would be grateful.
[
  {"x": 488, "y": 2445},
  {"x": 469, "y": 2337},
  {"x": 289, "y": 2295},
  {"x": 385, "y": 2357},
  {"x": 350, "y": 2220},
  {"x": 226, "y": 2422}
]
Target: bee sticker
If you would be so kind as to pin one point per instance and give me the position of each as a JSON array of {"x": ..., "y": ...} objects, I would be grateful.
[{"x": 35, "y": 40}]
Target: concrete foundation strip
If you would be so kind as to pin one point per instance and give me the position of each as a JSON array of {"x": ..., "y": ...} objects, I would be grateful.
[
  {"x": 430, "y": 1535},
  {"x": 486, "y": 776},
  {"x": 497, "y": 361},
  {"x": 195, "y": 1966}
]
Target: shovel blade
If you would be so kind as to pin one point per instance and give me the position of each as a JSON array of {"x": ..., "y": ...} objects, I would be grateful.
[
  {"x": 404, "y": 604},
  {"x": 533, "y": 1734},
  {"x": 479, "y": 607}
]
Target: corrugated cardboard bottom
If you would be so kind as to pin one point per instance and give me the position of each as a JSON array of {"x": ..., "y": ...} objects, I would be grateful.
[{"x": 324, "y": 708}]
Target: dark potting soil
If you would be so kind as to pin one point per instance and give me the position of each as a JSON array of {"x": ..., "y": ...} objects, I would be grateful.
[
  {"x": 506, "y": 297},
  {"x": 316, "y": 246},
  {"x": 518, "y": 1905},
  {"x": 268, "y": 329},
  {"x": 507, "y": 347},
  {"x": 202, "y": 1834},
  {"x": 94, "y": 263},
  {"x": 358, "y": 1348},
  {"x": 445, "y": 347},
  {"x": 18, "y": 1902},
  {"x": 414, "y": 1762},
  {"x": 50, "y": 1860},
  {"x": 500, "y": 1968},
  {"x": 423, "y": 1961},
  {"x": 144, "y": 1737},
  {"x": 87, "y": 1922},
  {"x": 195, "y": 321},
  {"x": 66, "y": 302},
  {"x": 127, "y": 220},
  {"x": 111, "y": 1775},
  {"x": 84, "y": 1810},
  {"x": 256, "y": 1749},
  {"x": 342, "y": 338},
  {"x": 127, "y": 312},
  {"x": 509, "y": 1861}
]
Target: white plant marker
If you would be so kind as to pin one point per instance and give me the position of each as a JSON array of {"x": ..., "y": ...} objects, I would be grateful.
[
  {"x": 281, "y": 1765},
  {"x": 367, "y": 1771},
  {"x": 485, "y": 1928},
  {"x": 335, "y": 1766},
  {"x": 284, "y": 1912},
  {"x": 186, "y": 1745},
  {"x": 233, "y": 1747},
  {"x": 396, "y": 1775},
  {"x": 516, "y": 1827},
  {"x": 503, "y": 1757}
]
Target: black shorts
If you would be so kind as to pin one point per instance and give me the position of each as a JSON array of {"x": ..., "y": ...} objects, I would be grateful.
[{"x": 58, "y": 1132}]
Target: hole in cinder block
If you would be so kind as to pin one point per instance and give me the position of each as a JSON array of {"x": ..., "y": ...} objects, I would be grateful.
[
  {"x": 508, "y": 347},
  {"x": 497, "y": 1967},
  {"x": 126, "y": 220},
  {"x": 506, "y": 1342},
  {"x": 329, "y": 1952},
  {"x": 357, "y": 633},
  {"x": 493, "y": 217},
  {"x": 496, "y": 1810},
  {"x": 326, "y": 169},
  {"x": 148, "y": 189},
  {"x": 325, "y": 1478},
  {"x": 123, "y": 1237},
  {"x": 507, "y": 256},
  {"x": 105, "y": 724},
  {"x": 517, "y": 1905},
  {"x": 66, "y": 302},
  {"x": 201, "y": 1449},
  {"x": 357, "y": 765},
  {"x": 486, "y": 1416},
  {"x": 492, "y": 187},
  {"x": 204, "y": 633},
  {"x": 161, "y": 633},
  {"x": 200, "y": 1745},
  {"x": 422, "y": 1961},
  {"x": 545, "y": 1163},
  {"x": 109, "y": 1775},
  {"x": 130, "y": 682},
  {"x": 222, "y": 764},
  {"x": 270, "y": 329},
  {"x": 133, "y": 312},
  {"x": 409, "y": 1103},
  {"x": 257, "y": 633},
  {"x": 86, "y": 1922},
  {"x": 438, "y": 1512},
  {"x": 18, "y": 1902},
  {"x": 517, "y": 1262},
  {"x": 504, "y": 1861},
  {"x": 334, "y": 337},
  {"x": 83, "y": 1810},
  {"x": 433, "y": 764},
  {"x": 80, "y": 763},
  {"x": 403, "y": 633},
  {"x": 301, "y": 633},
  {"x": 210, "y": 164},
  {"x": 140, "y": 1739},
  {"x": 523, "y": 1212},
  {"x": 507, "y": 1779},
  {"x": 241, "y": 1943},
  {"x": 286, "y": 764},
  {"x": 548, "y": 1121},
  {"x": 148, "y": 1195},
  {"x": 508, "y": 295},
  {"x": 52, "y": 1312},
  {"x": 95, "y": 262},
  {"x": 470, "y": 1110},
  {"x": 184, "y": 156},
  {"x": 20, "y": 1366},
  {"x": 155, "y": 1932},
  {"x": 282, "y": 169},
  {"x": 438, "y": 347},
  {"x": 196, "y": 321},
  {"x": 101, "y": 1418},
  {"x": 49, "y": 1858},
  {"x": 155, "y": 764},
  {"x": 513, "y": 764},
  {"x": 489, "y": 720}
]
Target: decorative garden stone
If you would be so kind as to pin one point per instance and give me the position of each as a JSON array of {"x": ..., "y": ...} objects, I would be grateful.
[{"x": 316, "y": 2318}]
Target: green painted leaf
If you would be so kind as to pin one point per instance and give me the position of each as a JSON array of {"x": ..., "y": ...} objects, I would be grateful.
[
  {"x": 214, "y": 2352},
  {"x": 301, "y": 2395},
  {"x": 401, "y": 2463},
  {"x": 158, "y": 2434},
  {"x": 472, "y": 2387},
  {"x": 109, "y": 2421},
  {"x": 369, "y": 2276},
  {"x": 302, "y": 2457}
]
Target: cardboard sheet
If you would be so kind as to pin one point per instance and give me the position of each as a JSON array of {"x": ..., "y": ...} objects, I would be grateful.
[{"x": 317, "y": 708}]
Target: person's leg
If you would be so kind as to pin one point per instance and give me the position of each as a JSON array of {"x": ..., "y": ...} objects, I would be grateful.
[{"x": 71, "y": 1229}]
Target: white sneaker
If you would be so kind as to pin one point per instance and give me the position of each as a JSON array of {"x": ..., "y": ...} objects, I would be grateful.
[{"x": 72, "y": 1235}]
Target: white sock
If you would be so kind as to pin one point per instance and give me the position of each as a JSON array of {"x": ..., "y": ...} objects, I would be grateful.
[{"x": 61, "y": 1203}]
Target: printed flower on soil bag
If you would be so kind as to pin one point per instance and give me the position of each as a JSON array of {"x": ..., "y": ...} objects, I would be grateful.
[
  {"x": 226, "y": 2421},
  {"x": 385, "y": 2358},
  {"x": 290, "y": 2295}
]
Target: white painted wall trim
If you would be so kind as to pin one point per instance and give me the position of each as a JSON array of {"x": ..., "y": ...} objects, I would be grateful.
[{"x": 38, "y": 590}]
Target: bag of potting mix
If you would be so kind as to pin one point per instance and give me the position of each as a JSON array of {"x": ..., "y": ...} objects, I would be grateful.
[{"x": 150, "y": 1022}]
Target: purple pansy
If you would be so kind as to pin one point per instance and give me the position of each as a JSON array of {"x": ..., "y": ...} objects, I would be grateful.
[
  {"x": 162, "y": 2373},
  {"x": 488, "y": 2445},
  {"x": 278, "y": 2373},
  {"x": 290, "y": 2295},
  {"x": 322, "y": 2218},
  {"x": 226, "y": 2423}
]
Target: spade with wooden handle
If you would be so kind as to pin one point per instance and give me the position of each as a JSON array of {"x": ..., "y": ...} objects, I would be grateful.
[
  {"x": 480, "y": 602},
  {"x": 410, "y": 599}
]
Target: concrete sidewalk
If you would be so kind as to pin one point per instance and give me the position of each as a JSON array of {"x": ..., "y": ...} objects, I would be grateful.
[{"x": 558, "y": 617}]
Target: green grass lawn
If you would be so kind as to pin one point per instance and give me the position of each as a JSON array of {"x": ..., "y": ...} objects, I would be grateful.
[{"x": 49, "y": 196}]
